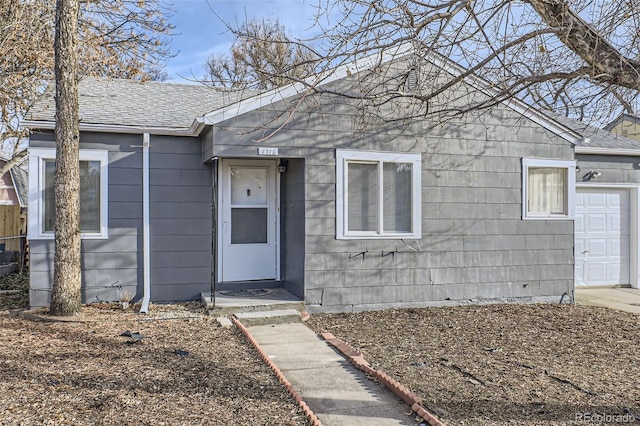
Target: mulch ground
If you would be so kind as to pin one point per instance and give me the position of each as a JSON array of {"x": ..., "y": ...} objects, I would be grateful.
[
  {"x": 186, "y": 369},
  {"x": 505, "y": 364}
]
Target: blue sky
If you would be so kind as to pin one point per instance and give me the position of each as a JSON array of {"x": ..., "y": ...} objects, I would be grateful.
[{"x": 199, "y": 33}]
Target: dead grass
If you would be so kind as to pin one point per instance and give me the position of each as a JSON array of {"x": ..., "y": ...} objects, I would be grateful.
[
  {"x": 184, "y": 371},
  {"x": 503, "y": 364}
]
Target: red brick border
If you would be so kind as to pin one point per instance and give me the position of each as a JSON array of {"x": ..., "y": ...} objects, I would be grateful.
[
  {"x": 357, "y": 359},
  {"x": 296, "y": 396}
]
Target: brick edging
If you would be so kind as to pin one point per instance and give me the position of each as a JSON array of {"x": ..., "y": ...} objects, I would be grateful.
[
  {"x": 294, "y": 394},
  {"x": 357, "y": 359}
]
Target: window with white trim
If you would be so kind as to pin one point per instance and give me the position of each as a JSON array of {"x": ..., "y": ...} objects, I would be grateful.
[
  {"x": 377, "y": 195},
  {"x": 547, "y": 188},
  {"x": 93, "y": 193}
]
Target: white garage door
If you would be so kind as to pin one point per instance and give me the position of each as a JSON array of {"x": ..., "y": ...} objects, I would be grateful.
[{"x": 602, "y": 236}]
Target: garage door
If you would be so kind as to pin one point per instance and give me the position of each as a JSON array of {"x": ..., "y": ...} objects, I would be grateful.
[{"x": 602, "y": 236}]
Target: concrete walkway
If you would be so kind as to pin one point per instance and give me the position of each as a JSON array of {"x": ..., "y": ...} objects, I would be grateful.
[
  {"x": 336, "y": 392},
  {"x": 622, "y": 299}
]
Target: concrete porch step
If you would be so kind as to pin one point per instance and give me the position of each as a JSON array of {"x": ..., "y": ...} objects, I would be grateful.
[
  {"x": 283, "y": 316},
  {"x": 276, "y": 300}
]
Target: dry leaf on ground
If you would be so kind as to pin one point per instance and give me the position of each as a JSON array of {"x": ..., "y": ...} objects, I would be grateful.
[{"x": 504, "y": 364}]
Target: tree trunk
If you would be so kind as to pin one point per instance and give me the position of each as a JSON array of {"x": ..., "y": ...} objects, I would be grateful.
[{"x": 65, "y": 297}]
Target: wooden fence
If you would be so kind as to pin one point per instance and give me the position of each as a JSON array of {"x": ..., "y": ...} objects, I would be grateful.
[{"x": 12, "y": 228}]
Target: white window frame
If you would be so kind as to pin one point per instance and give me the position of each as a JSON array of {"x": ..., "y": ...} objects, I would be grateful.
[
  {"x": 570, "y": 166},
  {"x": 37, "y": 158},
  {"x": 343, "y": 157}
]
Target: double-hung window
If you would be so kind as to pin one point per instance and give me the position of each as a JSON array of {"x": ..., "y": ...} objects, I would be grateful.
[
  {"x": 547, "y": 188},
  {"x": 377, "y": 195},
  {"x": 93, "y": 193}
]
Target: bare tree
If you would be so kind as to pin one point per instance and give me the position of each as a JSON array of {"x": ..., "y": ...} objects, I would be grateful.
[
  {"x": 573, "y": 57},
  {"x": 26, "y": 59},
  {"x": 110, "y": 46},
  {"x": 262, "y": 57},
  {"x": 119, "y": 38},
  {"x": 65, "y": 296}
]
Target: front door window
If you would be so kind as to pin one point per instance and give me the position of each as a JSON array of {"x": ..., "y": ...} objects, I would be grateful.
[{"x": 249, "y": 205}]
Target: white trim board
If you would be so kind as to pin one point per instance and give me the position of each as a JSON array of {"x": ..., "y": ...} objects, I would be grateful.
[
  {"x": 607, "y": 151},
  {"x": 219, "y": 244},
  {"x": 36, "y": 191},
  {"x": 570, "y": 165}
]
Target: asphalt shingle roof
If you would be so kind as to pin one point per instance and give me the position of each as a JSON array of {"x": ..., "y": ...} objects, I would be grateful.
[
  {"x": 175, "y": 106},
  {"x": 595, "y": 137},
  {"x": 144, "y": 104}
]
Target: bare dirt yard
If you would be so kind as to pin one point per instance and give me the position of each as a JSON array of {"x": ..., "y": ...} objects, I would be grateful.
[
  {"x": 505, "y": 364},
  {"x": 185, "y": 370}
]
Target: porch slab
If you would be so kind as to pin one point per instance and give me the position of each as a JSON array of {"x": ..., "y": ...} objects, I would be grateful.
[{"x": 228, "y": 303}]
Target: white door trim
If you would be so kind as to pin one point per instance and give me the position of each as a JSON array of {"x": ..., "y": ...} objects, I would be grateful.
[
  {"x": 220, "y": 214},
  {"x": 634, "y": 229}
]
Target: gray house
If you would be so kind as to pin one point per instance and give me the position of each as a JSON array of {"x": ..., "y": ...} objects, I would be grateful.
[{"x": 184, "y": 185}]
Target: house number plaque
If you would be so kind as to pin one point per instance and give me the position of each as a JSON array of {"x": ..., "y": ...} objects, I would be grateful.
[{"x": 267, "y": 151}]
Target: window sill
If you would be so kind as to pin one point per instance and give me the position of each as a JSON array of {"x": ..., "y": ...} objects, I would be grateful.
[
  {"x": 547, "y": 218},
  {"x": 83, "y": 236},
  {"x": 379, "y": 237}
]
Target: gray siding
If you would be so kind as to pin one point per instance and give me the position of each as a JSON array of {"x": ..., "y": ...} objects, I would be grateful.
[
  {"x": 475, "y": 247},
  {"x": 614, "y": 168},
  {"x": 180, "y": 210},
  {"x": 180, "y": 205},
  {"x": 292, "y": 226}
]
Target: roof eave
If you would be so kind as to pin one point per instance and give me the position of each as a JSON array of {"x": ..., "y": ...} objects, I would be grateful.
[
  {"x": 192, "y": 131},
  {"x": 607, "y": 151},
  {"x": 21, "y": 201}
]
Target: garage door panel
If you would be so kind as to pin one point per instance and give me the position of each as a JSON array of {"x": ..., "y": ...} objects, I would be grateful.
[
  {"x": 615, "y": 275},
  {"x": 595, "y": 200},
  {"x": 596, "y": 248},
  {"x": 595, "y": 273},
  {"x": 616, "y": 222},
  {"x": 602, "y": 236},
  {"x": 618, "y": 248},
  {"x": 618, "y": 200},
  {"x": 596, "y": 223}
]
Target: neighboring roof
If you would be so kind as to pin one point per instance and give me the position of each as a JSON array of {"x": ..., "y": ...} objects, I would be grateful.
[
  {"x": 595, "y": 140},
  {"x": 130, "y": 103},
  {"x": 21, "y": 183},
  {"x": 622, "y": 117}
]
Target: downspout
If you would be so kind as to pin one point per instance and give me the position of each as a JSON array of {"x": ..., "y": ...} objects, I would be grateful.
[
  {"x": 146, "y": 252},
  {"x": 214, "y": 229}
]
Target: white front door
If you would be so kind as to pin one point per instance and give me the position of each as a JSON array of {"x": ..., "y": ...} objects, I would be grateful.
[
  {"x": 248, "y": 234},
  {"x": 602, "y": 236}
]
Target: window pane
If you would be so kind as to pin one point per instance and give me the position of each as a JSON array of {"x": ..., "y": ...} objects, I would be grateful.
[
  {"x": 362, "y": 189},
  {"x": 249, "y": 226},
  {"x": 397, "y": 197},
  {"x": 89, "y": 196},
  {"x": 248, "y": 186},
  {"x": 49, "y": 197},
  {"x": 547, "y": 190}
]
